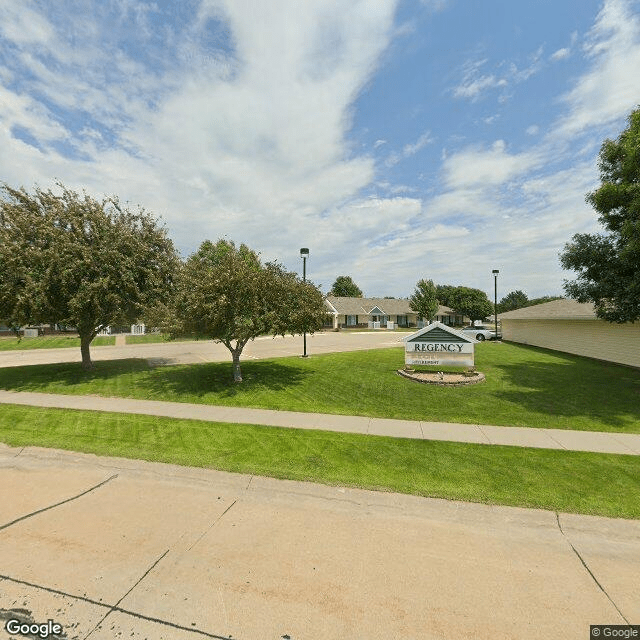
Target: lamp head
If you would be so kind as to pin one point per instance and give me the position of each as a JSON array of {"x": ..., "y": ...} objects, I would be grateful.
[
  {"x": 495, "y": 272},
  {"x": 304, "y": 252}
]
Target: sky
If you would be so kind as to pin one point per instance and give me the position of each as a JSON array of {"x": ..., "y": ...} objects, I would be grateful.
[{"x": 396, "y": 139}]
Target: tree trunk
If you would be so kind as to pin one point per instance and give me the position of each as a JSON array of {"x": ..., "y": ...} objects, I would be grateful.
[
  {"x": 237, "y": 374},
  {"x": 85, "y": 341}
]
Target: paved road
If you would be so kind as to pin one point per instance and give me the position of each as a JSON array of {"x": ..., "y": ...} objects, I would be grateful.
[
  {"x": 600, "y": 442},
  {"x": 208, "y": 351},
  {"x": 114, "y": 548}
]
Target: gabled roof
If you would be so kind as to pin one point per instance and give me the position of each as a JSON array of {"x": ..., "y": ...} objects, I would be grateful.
[
  {"x": 387, "y": 306},
  {"x": 438, "y": 332},
  {"x": 564, "y": 309}
]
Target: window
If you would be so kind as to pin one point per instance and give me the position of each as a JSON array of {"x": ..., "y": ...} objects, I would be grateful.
[{"x": 352, "y": 321}]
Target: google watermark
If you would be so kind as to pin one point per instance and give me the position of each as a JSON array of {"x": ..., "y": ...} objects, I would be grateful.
[
  {"x": 614, "y": 631},
  {"x": 48, "y": 629}
]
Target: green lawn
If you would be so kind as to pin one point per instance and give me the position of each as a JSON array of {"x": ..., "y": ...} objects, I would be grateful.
[
  {"x": 51, "y": 342},
  {"x": 568, "y": 481},
  {"x": 526, "y": 386},
  {"x": 150, "y": 338}
]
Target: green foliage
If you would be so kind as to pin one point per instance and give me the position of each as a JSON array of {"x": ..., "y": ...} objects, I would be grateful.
[
  {"x": 514, "y": 300},
  {"x": 607, "y": 265},
  {"x": 424, "y": 301},
  {"x": 226, "y": 293},
  {"x": 469, "y": 302},
  {"x": 68, "y": 258},
  {"x": 344, "y": 286},
  {"x": 444, "y": 294}
]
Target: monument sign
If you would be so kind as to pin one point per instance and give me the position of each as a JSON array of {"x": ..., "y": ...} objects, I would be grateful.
[{"x": 438, "y": 344}]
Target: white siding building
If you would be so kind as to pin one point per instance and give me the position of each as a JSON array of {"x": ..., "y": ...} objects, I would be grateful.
[{"x": 572, "y": 327}]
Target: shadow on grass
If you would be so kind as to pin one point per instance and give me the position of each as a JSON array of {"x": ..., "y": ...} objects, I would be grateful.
[
  {"x": 573, "y": 386},
  {"x": 216, "y": 378},
  {"x": 138, "y": 379},
  {"x": 36, "y": 377}
]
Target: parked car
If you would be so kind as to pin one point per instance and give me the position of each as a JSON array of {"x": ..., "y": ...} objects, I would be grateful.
[{"x": 481, "y": 332}]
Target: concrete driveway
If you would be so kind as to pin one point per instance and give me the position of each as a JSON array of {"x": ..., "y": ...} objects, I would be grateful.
[
  {"x": 112, "y": 548},
  {"x": 208, "y": 351}
]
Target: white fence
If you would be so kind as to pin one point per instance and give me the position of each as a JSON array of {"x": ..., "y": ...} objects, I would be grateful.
[{"x": 138, "y": 329}]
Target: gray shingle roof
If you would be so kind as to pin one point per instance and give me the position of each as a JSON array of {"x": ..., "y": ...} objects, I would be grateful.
[
  {"x": 564, "y": 309},
  {"x": 389, "y": 306}
]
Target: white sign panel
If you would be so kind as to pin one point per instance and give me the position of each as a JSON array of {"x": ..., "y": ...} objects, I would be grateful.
[{"x": 437, "y": 345}]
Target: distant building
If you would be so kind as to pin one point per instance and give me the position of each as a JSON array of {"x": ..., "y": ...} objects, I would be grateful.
[
  {"x": 572, "y": 327},
  {"x": 377, "y": 312}
]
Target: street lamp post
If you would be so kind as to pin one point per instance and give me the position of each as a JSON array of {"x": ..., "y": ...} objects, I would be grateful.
[
  {"x": 304, "y": 254},
  {"x": 495, "y": 298}
]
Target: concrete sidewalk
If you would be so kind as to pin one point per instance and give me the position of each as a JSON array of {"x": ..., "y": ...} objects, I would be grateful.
[
  {"x": 594, "y": 441},
  {"x": 113, "y": 548}
]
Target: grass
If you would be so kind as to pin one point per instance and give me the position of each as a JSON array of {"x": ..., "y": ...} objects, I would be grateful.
[
  {"x": 526, "y": 386},
  {"x": 568, "y": 481},
  {"x": 51, "y": 342},
  {"x": 152, "y": 338}
]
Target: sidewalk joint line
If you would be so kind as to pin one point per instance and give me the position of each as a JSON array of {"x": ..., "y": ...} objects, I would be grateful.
[
  {"x": 488, "y": 439},
  {"x": 57, "y": 504},
  {"x": 584, "y": 564},
  {"x": 114, "y": 607},
  {"x": 213, "y": 524},
  {"x": 557, "y": 442},
  {"x": 104, "y": 605}
]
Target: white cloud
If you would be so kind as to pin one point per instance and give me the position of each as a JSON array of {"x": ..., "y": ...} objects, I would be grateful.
[
  {"x": 560, "y": 54},
  {"x": 422, "y": 141},
  {"x": 218, "y": 144},
  {"x": 532, "y": 130},
  {"x": 472, "y": 87},
  {"x": 477, "y": 166},
  {"x": 611, "y": 87},
  {"x": 409, "y": 149}
]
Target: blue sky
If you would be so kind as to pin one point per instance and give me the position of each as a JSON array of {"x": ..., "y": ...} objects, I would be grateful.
[{"x": 397, "y": 139}]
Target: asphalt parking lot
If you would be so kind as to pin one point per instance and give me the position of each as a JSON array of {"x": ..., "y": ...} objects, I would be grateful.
[
  {"x": 113, "y": 548},
  {"x": 209, "y": 351}
]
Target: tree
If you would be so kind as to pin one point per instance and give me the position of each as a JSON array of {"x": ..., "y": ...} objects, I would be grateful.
[
  {"x": 607, "y": 265},
  {"x": 424, "y": 301},
  {"x": 471, "y": 302},
  {"x": 68, "y": 258},
  {"x": 444, "y": 293},
  {"x": 345, "y": 286},
  {"x": 514, "y": 300},
  {"x": 226, "y": 293}
]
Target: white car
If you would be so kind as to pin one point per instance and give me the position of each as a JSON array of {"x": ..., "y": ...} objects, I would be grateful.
[{"x": 481, "y": 333}]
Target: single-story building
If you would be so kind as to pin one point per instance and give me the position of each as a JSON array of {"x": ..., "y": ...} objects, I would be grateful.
[
  {"x": 377, "y": 312},
  {"x": 572, "y": 327}
]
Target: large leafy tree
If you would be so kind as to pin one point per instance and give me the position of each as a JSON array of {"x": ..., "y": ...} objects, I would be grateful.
[
  {"x": 346, "y": 287},
  {"x": 424, "y": 301},
  {"x": 472, "y": 303},
  {"x": 68, "y": 258},
  {"x": 444, "y": 293},
  {"x": 608, "y": 265},
  {"x": 513, "y": 300},
  {"x": 226, "y": 293}
]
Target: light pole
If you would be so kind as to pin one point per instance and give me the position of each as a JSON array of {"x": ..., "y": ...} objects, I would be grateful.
[
  {"x": 495, "y": 298},
  {"x": 304, "y": 254}
]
